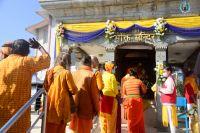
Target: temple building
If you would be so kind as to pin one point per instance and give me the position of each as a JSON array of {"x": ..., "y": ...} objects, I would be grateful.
[{"x": 132, "y": 33}]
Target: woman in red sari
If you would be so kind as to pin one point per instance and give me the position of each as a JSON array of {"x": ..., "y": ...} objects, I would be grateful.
[{"x": 133, "y": 104}]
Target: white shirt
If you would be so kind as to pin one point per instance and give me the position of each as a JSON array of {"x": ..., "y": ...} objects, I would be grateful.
[
  {"x": 170, "y": 85},
  {"x": 169, "y": 88}
]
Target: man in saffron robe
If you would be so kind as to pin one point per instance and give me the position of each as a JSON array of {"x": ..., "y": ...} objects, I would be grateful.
[
  {"x": 86, "y": 99},
  {"x": 133, "y": 104},
  {"x": 108, "y": 102},
  {"x": 190, "y": 90},
  {"x": 15, "y": 82},
  {"x": 62, "y": 85}
]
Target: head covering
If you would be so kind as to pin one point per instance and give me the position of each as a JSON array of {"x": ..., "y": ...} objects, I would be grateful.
[
  {"x": 7, "y": 48},
  {"x": 109, "y": 66}
]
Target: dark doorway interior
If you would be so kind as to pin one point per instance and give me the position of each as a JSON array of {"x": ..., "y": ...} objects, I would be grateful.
[{"x": 139, "y": 56}]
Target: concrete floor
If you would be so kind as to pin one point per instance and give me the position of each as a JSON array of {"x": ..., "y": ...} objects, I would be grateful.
[{"x": 149, "y": 118}]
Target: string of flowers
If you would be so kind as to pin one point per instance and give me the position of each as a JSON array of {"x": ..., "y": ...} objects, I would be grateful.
[
  {"x": 110, "y": 30},
  {"x": 160, "y": 28},
  {"x": 60, "y": 30},
  {"x": 159, "y": 71}
]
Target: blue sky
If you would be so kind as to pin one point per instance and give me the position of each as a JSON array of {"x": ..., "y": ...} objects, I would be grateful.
[{"x": 16, "y": 15}]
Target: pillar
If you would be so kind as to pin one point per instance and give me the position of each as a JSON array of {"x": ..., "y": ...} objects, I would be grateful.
[
  {"x": 161, "y": 56},
  {"x": 52, "y": 36}
]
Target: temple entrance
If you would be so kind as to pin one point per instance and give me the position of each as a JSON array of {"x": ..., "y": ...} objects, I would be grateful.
[{"x": 139, "y": 56}]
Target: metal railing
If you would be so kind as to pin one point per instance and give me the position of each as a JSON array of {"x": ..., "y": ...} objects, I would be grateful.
[
  {"x": 198, "y": 110},
  {"x": 22, "y": 110}
]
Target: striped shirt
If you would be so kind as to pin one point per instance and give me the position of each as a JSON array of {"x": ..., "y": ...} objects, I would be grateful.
[{"x": 132, "y": 86}]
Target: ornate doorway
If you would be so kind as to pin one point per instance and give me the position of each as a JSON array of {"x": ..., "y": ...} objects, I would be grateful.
[{"x": 139, "y": 56}]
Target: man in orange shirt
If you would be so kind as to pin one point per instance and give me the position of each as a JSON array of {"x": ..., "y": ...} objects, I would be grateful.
[
  {"x": 133, "y": 103},
  {"x": 86, "y": 99},
  {"x": 15, "y": 82}
]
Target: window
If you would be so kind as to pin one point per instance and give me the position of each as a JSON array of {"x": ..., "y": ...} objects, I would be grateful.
[{"x": 45, "y": 35}]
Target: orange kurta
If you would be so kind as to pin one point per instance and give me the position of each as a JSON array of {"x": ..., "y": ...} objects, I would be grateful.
[
  {"x": 15, "y": 87},
  {"x": 58, "y": 107},
  {"x": 86, "y": 100},
  {"x": 133, "y": 104},
  {"x": 132, "y": 86}
]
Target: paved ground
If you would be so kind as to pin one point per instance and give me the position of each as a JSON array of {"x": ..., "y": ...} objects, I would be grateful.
[{"x": 150, "y": 120}]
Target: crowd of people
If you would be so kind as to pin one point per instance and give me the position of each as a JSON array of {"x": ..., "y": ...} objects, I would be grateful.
[{"x": 78, "y": 97}]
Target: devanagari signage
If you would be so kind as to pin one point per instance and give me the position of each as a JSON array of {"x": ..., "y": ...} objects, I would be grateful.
[{"x": 140, "y": 37}]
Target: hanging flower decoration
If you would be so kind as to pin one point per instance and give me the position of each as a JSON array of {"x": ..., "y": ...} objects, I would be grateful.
[
  {"x": 110, "y": 30},
  {"x": 159, "y": 71},
  {"x": 60, "y": 30},
  {"x": 160, "y": 28}
]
